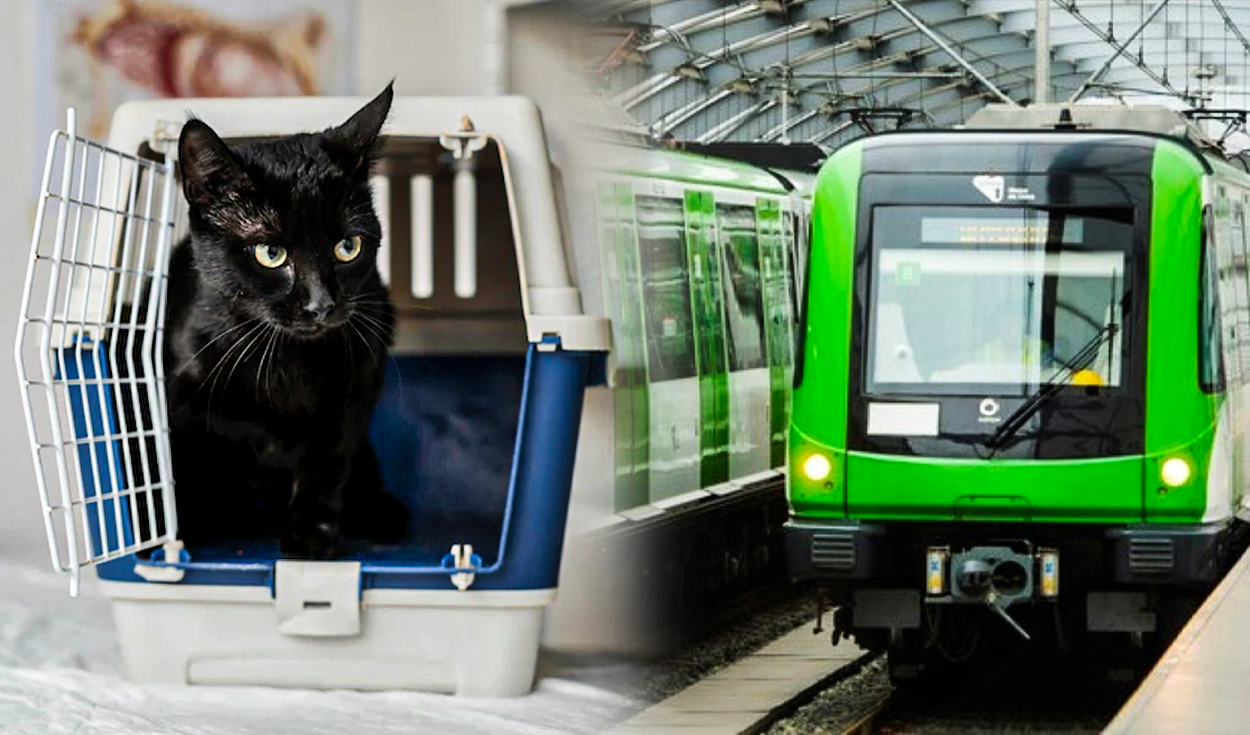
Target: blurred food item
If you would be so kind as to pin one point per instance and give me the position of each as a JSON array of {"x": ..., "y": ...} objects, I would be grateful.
[{"x": 175, "y": 50}]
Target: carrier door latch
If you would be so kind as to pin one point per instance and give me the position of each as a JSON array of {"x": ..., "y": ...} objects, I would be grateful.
[{"x": 317, "y": 598}]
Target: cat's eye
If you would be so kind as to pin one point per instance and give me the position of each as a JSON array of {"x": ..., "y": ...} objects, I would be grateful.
[
  {"x": 270, "y": 256},
  {"x": 348, "y": 249}
]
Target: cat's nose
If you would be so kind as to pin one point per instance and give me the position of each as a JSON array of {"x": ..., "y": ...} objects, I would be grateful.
[{"x": 319, "y": 309}]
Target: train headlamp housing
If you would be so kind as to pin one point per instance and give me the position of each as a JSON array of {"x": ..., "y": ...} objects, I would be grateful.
[
  {"x": 1175, "y": 471},
  {"x": 817, "y": 467}
]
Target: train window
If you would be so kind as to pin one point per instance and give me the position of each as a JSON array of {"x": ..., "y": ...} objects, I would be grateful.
[
  {"x": 803, "y": 274},
  {"x": 744, "y": 306},
  {"x": 666, "y": 288},
  {"x": 775, "y": 267},
  {"x": 1210, "y": 356},
  {"x": 996, "y": 300},
  {"x": 1225, "y": 265}
]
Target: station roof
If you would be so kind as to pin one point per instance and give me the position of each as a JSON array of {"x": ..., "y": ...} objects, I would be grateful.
[{"x": 825, "y": 71}]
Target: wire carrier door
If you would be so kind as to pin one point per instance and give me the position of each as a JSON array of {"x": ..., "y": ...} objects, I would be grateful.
[{"x": 88, "y": 351}]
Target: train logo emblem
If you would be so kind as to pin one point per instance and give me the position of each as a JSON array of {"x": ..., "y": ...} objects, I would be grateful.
[
  {"x": 989, "y": 410},
  {"x": 993, "y": 187}
]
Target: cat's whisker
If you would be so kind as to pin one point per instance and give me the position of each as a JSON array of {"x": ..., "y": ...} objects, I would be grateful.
[
  {"x": 191, "y": 359},
  {"x": 382, "y": 327},
  {"x": 239, "y": 360},
  {"x": 387, "y": 302},
  {"x": 222, "y": 360},
  {"x": 264, "y": 353},
  {"x": 276, "y": 356},
  {"x": 375, "y": 312},
  {"x": 215, "y": 373},
  {"x": 378, "y": 333},
  {"x": 372, "y": 354},
  {"x": 418, "y": 307},
  {"x": 385, "y": 329}
]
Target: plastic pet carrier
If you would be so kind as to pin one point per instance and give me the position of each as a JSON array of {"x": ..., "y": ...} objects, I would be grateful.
[{"x": 476, "y": 429}]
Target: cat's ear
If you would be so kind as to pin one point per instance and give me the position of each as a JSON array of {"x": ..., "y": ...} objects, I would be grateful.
[
  {"x": 354, "y": 142},
  {"x": 210, "y": 172}
]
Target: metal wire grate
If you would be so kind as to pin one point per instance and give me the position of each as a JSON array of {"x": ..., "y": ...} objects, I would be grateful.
[{"x": 88, "y": 351}]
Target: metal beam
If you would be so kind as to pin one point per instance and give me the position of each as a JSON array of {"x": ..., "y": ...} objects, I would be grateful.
[
  {"x": 782, "y": 131},
  {"x": 834, "y": 76},
  {"x": 727, "y": 128},
  {"x": 920, "y": 26},
  {"x": 1120, "y": 48},
  {"x": 682, "y": 114},
  {"x": 1228, "y": 23}
]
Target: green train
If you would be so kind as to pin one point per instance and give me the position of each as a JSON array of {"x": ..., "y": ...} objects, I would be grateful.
[
  {"x": 1021, "y": 389},
  {"x": 697, "y": 260},
  {"x": 691, "y": 256}
]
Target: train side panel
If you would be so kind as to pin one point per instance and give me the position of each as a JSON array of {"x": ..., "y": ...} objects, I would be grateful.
[{"x": 821, "y": 373}]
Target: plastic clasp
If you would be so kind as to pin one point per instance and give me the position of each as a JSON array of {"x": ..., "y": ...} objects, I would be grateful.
[
  {"x": 160, "y": 569},
  {"x": 462, "y": 557},
  {"x": 317, "y": 598}
]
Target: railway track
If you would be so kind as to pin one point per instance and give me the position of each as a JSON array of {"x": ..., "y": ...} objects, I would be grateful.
[{"x": 1021, "y": 695}]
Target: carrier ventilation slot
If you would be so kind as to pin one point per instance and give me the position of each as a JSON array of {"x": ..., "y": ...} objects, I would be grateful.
[
  {"x": 1151, "y": 555},
  {"x": 831, "y": 550}
]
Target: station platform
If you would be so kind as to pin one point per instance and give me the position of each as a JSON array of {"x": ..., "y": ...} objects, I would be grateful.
[
  {"x": 742, "y": 696},
  {"x": 1199, "y": 684}
]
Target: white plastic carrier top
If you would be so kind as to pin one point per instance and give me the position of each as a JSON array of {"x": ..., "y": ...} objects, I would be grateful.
[{"x": 88, "y": 346}]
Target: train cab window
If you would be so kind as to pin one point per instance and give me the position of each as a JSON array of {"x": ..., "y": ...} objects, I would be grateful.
[
  {"x": 744, "y": 305},
  {"x": 666, "y": 288},
  {"x": 996, "y": 301}
]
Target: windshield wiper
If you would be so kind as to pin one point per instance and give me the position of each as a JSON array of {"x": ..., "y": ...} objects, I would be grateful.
[{"x": 1083, "y": 359}]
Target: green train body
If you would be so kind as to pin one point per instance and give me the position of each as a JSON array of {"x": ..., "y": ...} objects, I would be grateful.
[
  {"x": 680, "y": 467},
  {"x": 695, "y": 269},
  {"x": 1023, "y": 377}
]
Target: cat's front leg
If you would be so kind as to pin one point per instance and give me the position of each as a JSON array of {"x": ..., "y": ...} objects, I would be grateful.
[{"x": 313, "y": 528}]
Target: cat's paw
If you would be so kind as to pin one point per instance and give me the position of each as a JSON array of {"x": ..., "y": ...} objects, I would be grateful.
[{"x": 317, "y": 541}]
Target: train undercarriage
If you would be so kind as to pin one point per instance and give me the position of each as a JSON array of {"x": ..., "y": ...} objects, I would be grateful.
[{"x": 952, "y": 594}]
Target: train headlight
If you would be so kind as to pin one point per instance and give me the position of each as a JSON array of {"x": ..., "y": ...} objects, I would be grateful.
[
  {"x": 817, "y": 467},
  {"x": 1175, "y": 472}
]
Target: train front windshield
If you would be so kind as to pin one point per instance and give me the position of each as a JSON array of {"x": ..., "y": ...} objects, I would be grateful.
[{"x": 995, "y": 301}]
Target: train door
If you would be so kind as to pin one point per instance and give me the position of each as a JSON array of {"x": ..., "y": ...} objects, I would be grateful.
[
  {"x": 670, "y": 337},
  {"x": 778, "y": 318},
  {"x": 1240, "y": 395},
  {"x": 707, "y": 303},
  {"x": 622, "y": 284},
  {"x": 748, "y": 377}
]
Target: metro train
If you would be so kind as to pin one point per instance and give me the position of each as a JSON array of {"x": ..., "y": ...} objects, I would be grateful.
[
  {"x": 1020, "y": 405},
  {"x": 692, "y": 257}
]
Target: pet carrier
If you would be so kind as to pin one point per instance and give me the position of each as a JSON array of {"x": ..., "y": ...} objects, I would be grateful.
[{"x": 475, "y": 431}]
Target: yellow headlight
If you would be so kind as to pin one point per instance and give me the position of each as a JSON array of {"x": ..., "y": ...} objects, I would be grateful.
[
  {"x": 1175, "y": 472},
  {"x": 817, "y": 467}
]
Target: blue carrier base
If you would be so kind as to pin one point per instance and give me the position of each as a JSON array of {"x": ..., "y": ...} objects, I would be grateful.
[
  {"x": 389, "y": 618},
  {"x": 518, "y": 549}
]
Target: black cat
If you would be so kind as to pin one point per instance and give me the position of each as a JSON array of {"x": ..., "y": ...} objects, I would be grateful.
[{"x": 277, "y": 332}]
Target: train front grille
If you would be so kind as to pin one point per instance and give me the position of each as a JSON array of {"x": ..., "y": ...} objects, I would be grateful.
[{"x": 833, "y": 550}]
